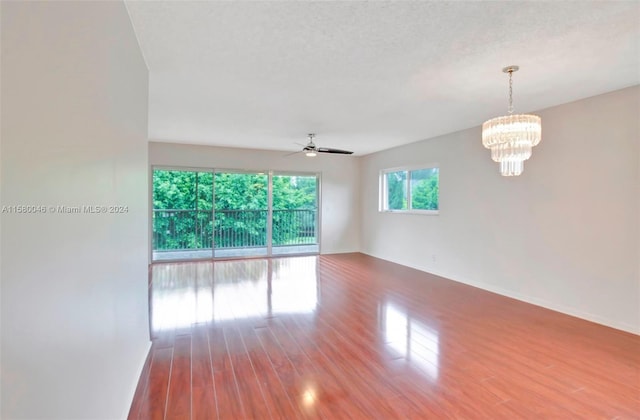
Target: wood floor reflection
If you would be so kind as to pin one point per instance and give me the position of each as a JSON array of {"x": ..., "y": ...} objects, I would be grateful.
[{"x": 351, "y": 336}]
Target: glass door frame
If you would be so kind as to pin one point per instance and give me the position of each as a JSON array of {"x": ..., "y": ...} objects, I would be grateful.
[
  {"x": 267, "y": 227},
  {"x": 152, "y": 169},
  {"x": 269, "y": 238},
  {"x": 318, "y": 212}
]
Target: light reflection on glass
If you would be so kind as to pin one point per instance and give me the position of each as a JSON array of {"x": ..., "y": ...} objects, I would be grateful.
[
  {"x": 187, "y": 293},
  {"x": 411, "y": 339}
]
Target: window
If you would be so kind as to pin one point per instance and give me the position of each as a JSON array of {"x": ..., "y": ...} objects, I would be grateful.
[
  {"x": 211, "y": 213},
  {"x": 413, "y": 190}
]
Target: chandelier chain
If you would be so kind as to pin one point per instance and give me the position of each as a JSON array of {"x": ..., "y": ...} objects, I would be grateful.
[{"x": 510, "y": 91}]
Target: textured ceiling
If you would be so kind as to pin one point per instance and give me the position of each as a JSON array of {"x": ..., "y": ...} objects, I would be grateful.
[{"x": 368, "y": 76}]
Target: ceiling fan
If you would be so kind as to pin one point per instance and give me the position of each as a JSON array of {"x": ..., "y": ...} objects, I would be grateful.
[{"x": 311, "y": 150}]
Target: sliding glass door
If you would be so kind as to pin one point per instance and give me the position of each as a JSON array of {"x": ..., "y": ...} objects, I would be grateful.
[
  {"x": 199, "y": 214},
  {"x": 241, "y": 212},
  {"x": 295, "y": 214},
  {"x": 182, "y": 217}
]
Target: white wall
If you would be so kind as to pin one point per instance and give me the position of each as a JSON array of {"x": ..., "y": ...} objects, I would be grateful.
[
  {"x": 340, "y": 228},
  {"x": 74, "y": 286},
  {"x": 564, "y": 235}
]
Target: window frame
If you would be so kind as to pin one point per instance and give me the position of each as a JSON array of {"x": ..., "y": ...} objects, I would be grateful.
[
  {"x": 383, "y": 201},
  {"x": 214, "y": 169}
]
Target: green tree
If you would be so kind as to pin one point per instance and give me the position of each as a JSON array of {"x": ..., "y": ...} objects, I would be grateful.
[
  {"x": 396, "y": 190},
  {"x": 424, "y": 195},
  {"x": 297, "y": 193},
  {"x": 241, "y": 209},
  {"x": 183, "y": 202},
  {"x": 186, "y": 197},
  {"x": 238, "y": 191}
]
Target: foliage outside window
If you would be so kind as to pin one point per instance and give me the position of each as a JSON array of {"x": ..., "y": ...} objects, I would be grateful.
[
  {"x": 182, "y": 203},
  {"x": 410, "y": 190},
  {"x": 199, "y": 209}
]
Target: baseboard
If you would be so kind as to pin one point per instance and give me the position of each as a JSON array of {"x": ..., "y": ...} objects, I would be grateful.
[
  {"x": 132, "y": 391},
  {"x": 339, "y": 251},
  {"x": 567, "y": 310}
]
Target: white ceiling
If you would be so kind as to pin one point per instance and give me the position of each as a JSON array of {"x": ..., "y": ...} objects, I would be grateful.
[{"x": 367, "y": 76}]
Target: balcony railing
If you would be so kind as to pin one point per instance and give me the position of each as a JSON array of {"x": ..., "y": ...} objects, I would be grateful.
[{"x": 197, "y": 229}]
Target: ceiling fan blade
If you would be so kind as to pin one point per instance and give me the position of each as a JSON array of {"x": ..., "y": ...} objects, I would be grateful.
[
  {"x": 337, "y": 151},
  {"x": 310, "y": 149},
  {"x": 293, "y": 153}
]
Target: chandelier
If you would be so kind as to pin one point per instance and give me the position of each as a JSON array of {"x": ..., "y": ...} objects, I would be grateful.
[{"x": 511, "y": 137}]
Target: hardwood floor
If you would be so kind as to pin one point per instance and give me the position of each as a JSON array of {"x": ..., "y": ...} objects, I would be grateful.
[{"x": 351, "y": 336}]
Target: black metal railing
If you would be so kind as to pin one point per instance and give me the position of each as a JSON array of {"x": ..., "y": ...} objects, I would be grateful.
[
  {"x": 294, "y": 227},
  {"x": 240, "y": 228},
  {"x": 199, "y": 229}
]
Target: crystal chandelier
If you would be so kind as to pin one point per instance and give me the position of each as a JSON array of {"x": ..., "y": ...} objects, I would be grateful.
[{"x": 511, "y": 137}]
